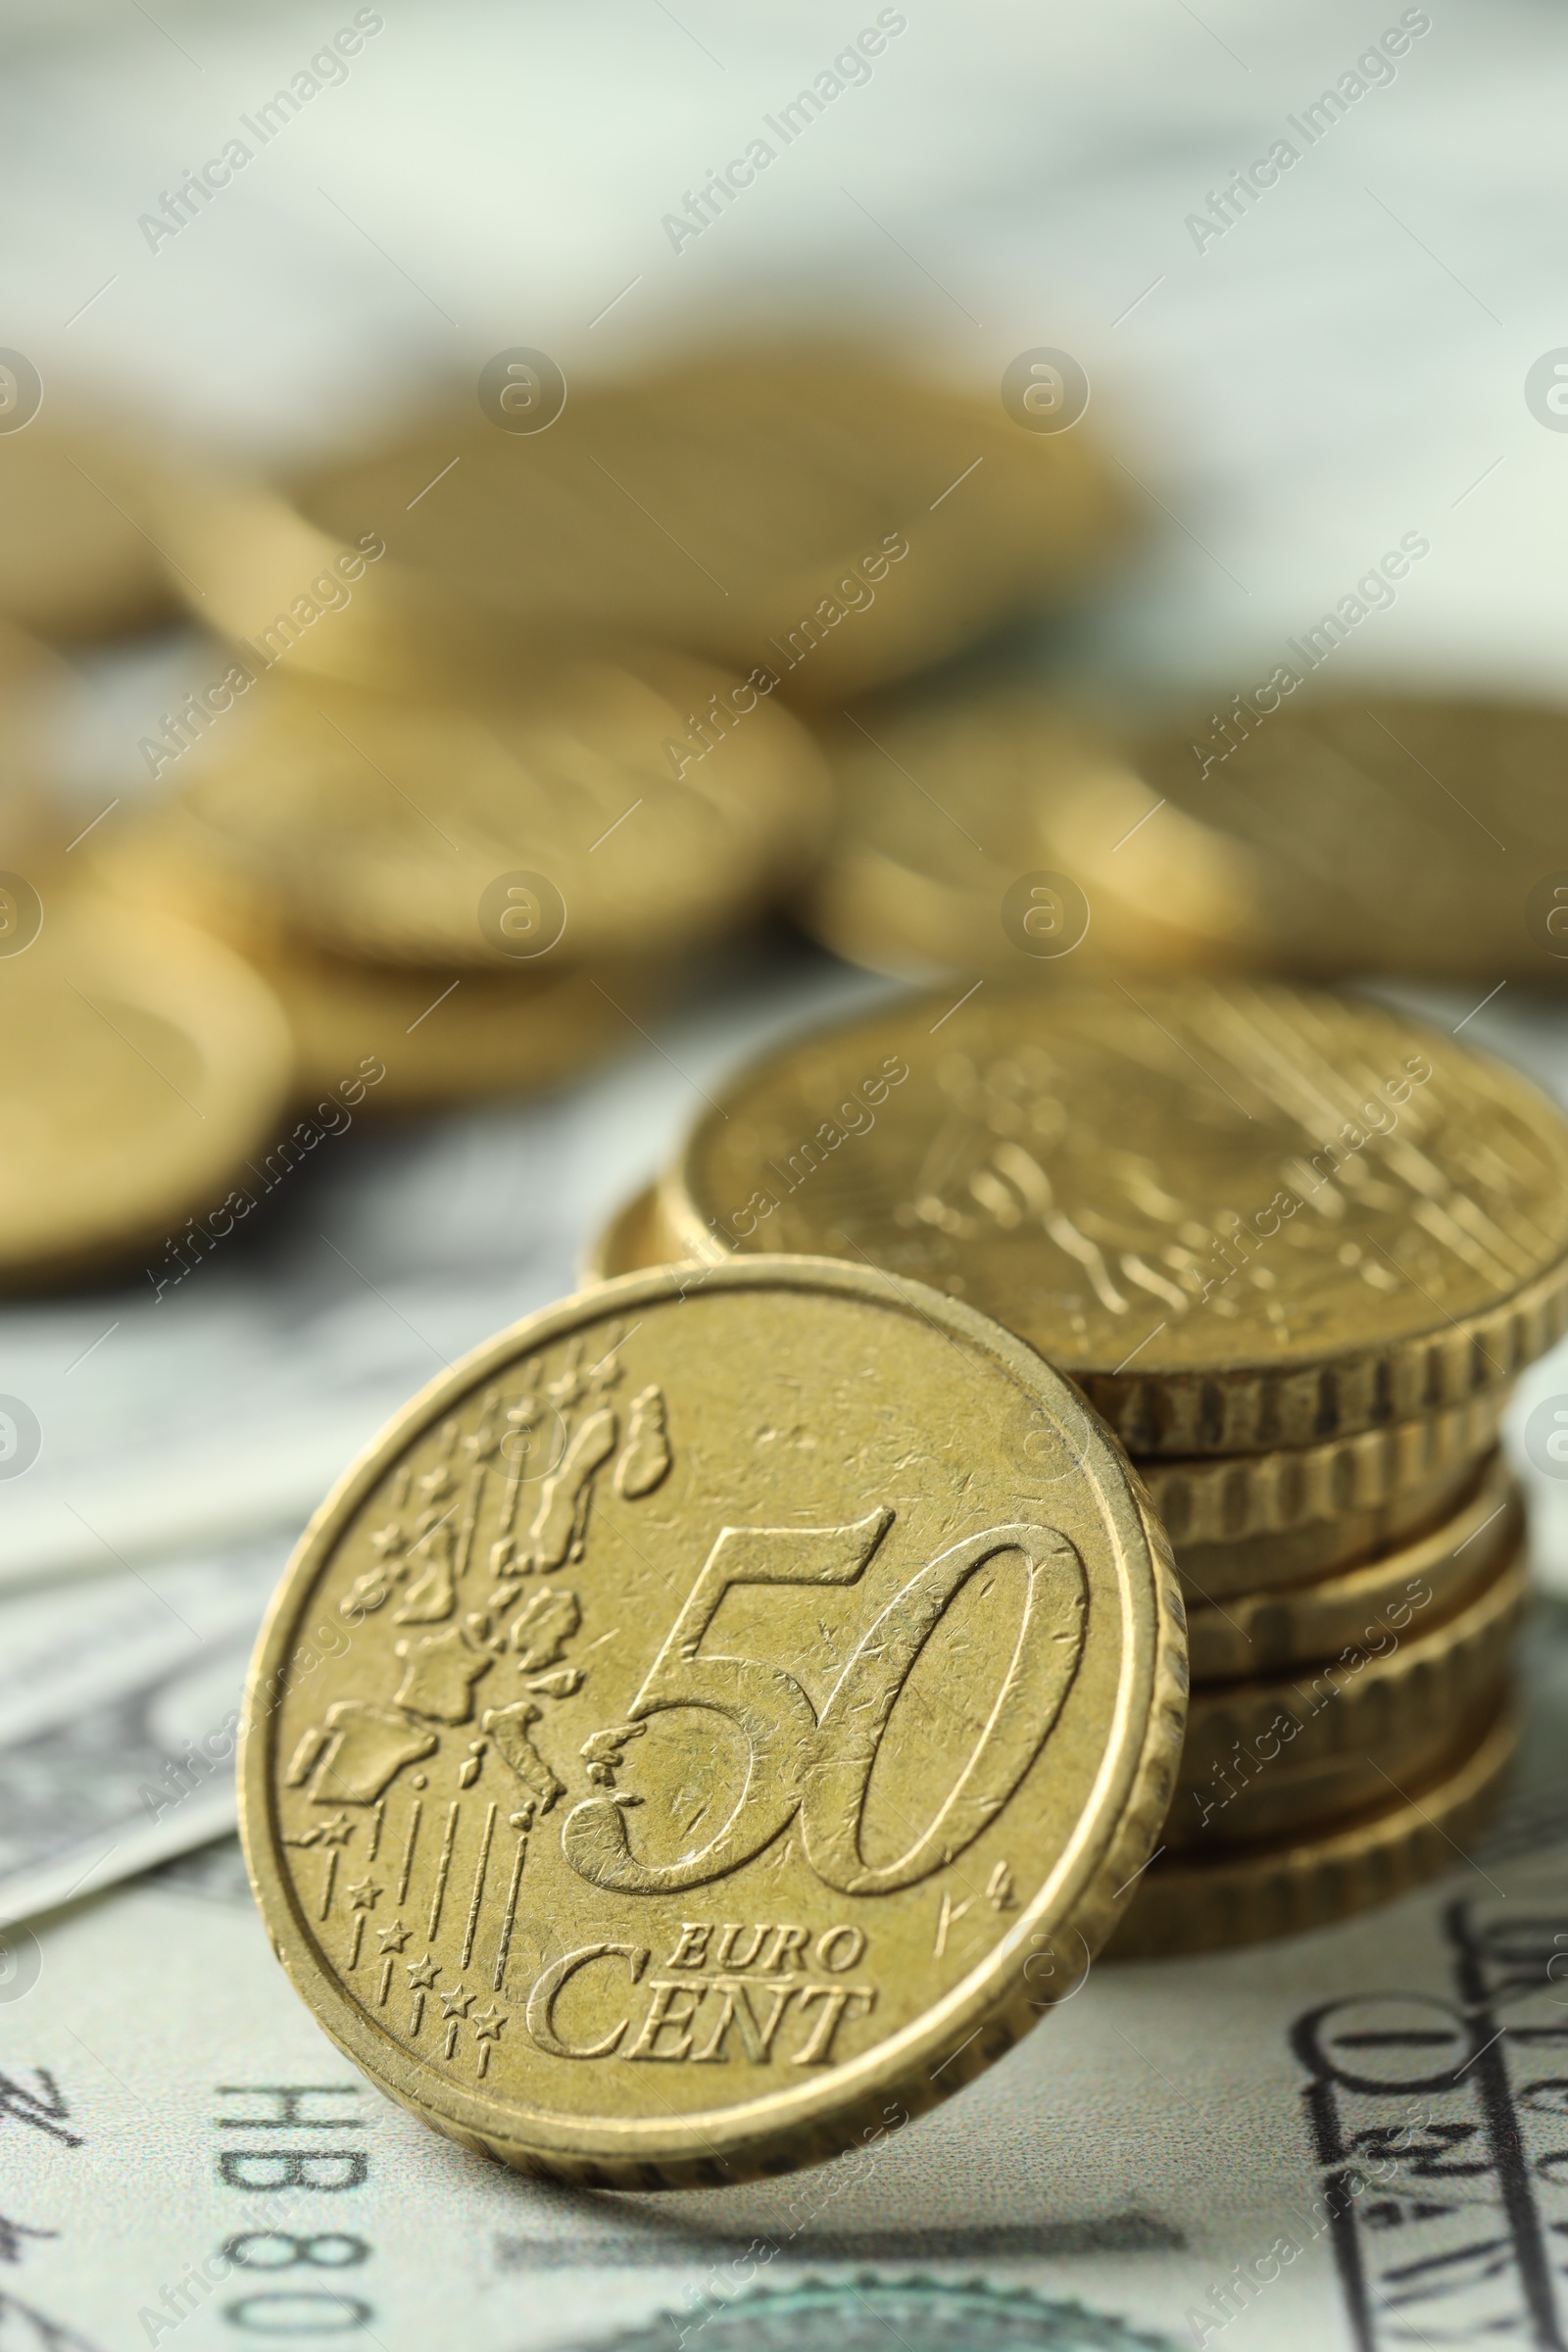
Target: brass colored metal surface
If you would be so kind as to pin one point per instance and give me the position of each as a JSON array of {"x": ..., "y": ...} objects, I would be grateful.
[
  {"x": 944, "y": 799},
  {"x": 143, "y": 1064},
  {"x": 384, "y": 825},
  {"x": 1213, "y": 1505},
  {"x": 632, "y": 1239},
  {"x": 1240, "y": 1217},
  {"x": 811, "y": 510},
  {"x": 1310, "y": 1882},
  {"x": 1324, "y": 1547},
  {"x": 1381, "y": 832},
  {"x": 641, "y": 1712},
  {"x": 1387, "y": 1687},
  {"x": 1292, "y": 1800},
  {"x": 75, "y": 556},
  {"x": 1251, "y": 1633},
  {"x": 437, "y": 1042}
]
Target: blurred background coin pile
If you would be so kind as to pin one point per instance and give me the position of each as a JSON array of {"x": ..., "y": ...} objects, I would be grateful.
[
  {"x": 1296, "y": 1250},
  {"x": 497, "y": 738},
  {"x": 500, "y": 731}
]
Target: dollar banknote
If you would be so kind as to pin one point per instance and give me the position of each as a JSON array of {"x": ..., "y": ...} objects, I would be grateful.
[{"x": 120, "y": 1700}]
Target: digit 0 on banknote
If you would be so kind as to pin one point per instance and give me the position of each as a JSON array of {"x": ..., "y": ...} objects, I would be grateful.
[{"x": 711, "y": 1723}]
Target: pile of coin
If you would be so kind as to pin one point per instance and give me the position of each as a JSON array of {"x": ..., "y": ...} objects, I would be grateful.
[
  {"x": 502, "y": 737},
  {"x": 1293, "y": 1249},
  {"x": 499, "y": 729}
]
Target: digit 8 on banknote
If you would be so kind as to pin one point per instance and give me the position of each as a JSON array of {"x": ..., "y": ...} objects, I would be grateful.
[{"x": 746, "y": 1670}]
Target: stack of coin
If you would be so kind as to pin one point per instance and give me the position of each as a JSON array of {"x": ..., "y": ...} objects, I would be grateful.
[
  {"x": 475, "y": 891},
  {"x": 1295, "y": 1249}
]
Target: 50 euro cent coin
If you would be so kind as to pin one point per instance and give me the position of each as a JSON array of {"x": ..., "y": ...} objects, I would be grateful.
[{"x": 710, "y": 1721}]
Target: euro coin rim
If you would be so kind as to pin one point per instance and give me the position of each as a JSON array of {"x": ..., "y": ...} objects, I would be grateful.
[
  {"x": 1217, "y": 1638},
  {"x": 1434, "y": 1671},
  {"x": 1224, "y": 1500},
  {"x": 1303, "y": 1883}
]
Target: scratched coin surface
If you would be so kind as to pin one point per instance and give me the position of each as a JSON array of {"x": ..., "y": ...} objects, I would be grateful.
[
  {"x": 711, "y": 1723},
  {"x": 1240, "y": 1217},
  {"x": 571, "y": 815}
]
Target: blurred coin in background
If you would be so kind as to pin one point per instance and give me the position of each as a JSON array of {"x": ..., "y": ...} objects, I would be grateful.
[
  {"x": 632, "y": 1239},
  {"x": 1384, "y": 832},
  {"x": 77, "y": 510},
  {"x": 144, "y": 1063},
  {"x": 987, "y": 829},
  {"x": 610, "y": 809},
  {"x": 816, "y": 509},
  {"x": 40, "y": 697}
]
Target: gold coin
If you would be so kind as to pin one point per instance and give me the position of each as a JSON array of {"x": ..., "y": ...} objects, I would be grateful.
[
  {"x": 630, "y": 1241},
  {"x": 1296, "y": 1799},
  {"x": 479, "y": 834},
  {"x": 674, "y": 1739},
  {"x": 1211, "y": 1571},
  {"x": 1387, "y": 1685},
  {"x": 1249, "y": 1634},
  {"x": 432, "y": 1035},
  {"x": 1239, "y": 1216},
  {"x": 1209, "y": 1503},
  {"x": 813, "y": 514},
  {"x": 76, "y": 559},
  {"x": 444, "y": 1041},
  {"x": 1303, "y": 1511},
  {"x": 145, "y": 1065},
  {"x": 1310, "y": 1882},
  {"x": 1421, "y": 836},
  {"x": 43, "y": 706},
  {"x": 988, "y": 830}
]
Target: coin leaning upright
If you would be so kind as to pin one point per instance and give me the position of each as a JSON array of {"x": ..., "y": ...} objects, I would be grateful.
[{"x": 694, "y": 1736}]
